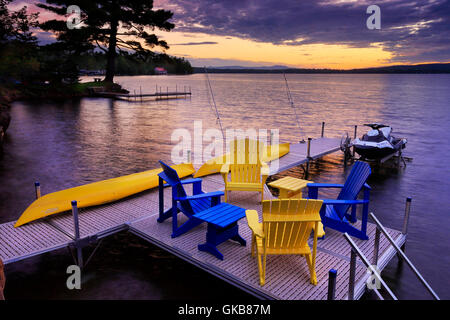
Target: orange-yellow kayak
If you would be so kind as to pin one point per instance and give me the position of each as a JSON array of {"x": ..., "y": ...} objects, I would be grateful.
[
  {"x": 213, "y": 165},
  {"x": 96, "y": 193}
]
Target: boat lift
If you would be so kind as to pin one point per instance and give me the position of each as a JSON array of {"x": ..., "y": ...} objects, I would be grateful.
[{"x": 349, "y": 154}]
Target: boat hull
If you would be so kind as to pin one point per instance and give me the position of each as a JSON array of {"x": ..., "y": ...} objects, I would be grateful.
[
  {"x": 374, "y": 153},
  {"x": 96, "y": 193},
  {"x": 214, "y": 165}
]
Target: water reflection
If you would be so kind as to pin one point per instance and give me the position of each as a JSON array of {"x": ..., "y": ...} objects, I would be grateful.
[{"x": 68, "y": 143}]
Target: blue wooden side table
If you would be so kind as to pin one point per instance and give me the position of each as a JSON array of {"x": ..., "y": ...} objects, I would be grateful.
[{"x": 222, "y": 226}]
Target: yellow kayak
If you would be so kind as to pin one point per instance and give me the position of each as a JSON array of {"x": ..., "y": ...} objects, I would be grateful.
[
  {"x": 213, "y": 165},
  {"x": 96, "y": 193}
]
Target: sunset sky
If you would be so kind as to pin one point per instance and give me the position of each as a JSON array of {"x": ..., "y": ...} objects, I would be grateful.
[{"x": 306, "y": 34}]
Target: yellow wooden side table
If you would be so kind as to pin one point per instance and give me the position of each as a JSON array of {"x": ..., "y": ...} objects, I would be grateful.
[{"x": 290, "y": 187}]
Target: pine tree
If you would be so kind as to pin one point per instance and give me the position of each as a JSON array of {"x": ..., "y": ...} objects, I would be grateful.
[{"x": 114, "y": 26}]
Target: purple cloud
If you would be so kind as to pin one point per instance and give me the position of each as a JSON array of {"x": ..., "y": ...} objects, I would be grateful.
[{"x": 413, "y": 31}]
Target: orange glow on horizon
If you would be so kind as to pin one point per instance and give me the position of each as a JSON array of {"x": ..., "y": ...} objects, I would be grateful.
[{"x": 300, "y": 56}]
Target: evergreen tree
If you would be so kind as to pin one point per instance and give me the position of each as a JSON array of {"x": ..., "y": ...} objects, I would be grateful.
[
  {"x": 114, "y": 26},
  {"x": 18, "y": 46},
  {"x": 16, "y": 25}
]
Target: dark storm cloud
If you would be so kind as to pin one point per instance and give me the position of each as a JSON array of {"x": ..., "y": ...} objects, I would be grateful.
[{"x": 418, "y": 29}]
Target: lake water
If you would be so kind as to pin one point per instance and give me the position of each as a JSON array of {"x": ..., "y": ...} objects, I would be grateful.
[{"x": 64, "y": 144}]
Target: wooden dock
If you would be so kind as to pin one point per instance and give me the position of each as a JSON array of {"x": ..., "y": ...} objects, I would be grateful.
[
  {"x": 298, "y": 153},
  {"x": 141, "y": 96},
  {"x": 287, "y": 276}
]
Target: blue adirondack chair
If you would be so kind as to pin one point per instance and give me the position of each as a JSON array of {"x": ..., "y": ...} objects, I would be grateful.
[
  {"x": 334, "y": 213},
  {"x": 188, "y": 205}
]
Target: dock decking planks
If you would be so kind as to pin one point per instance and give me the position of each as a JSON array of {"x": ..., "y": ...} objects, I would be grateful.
[
  {"x": 298, "y": 153},
  {"x": 33, "y": 239},
  {"x": 287, "y": 276}
]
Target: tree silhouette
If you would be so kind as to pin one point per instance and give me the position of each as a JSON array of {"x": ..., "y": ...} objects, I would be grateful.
[
  {"x": 18, "y": 45},
  {"x": 114, "y": 26},
  {"x": 16, "y": 25}
]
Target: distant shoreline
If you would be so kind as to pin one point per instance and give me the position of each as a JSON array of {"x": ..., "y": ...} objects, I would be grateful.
[{"x": 433, "y": 68}]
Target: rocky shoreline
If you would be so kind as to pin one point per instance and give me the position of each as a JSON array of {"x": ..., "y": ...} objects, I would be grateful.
[{"x": 5, "y": 118}]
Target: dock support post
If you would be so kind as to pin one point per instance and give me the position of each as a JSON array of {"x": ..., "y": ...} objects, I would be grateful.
[
  {"x": 37, "y": 189},
  {"x": 331, "y": 284},
  {"x": 406, "y": 220},
  {"x": 308, "y": 158},
  {"x": 351, "y": 279},
  {"x": 189, "y": 156},
  {"x": 346, "y": 155},
  {"x": 354, "y": 137},
  {"x": 323, "y": 129},
  {"x": 376, "y": 246},
  {"x": 77, "y": 233}
]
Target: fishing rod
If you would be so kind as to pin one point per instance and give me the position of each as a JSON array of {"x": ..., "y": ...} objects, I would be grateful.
[
  {"x": 291, "y": 102},
  {"x": 208, "y": 95},
  {"x": 214, "y": 101}
]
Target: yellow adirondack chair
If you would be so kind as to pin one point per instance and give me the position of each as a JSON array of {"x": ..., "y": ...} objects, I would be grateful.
[
  {"x": 286, "y": 227},
  {"x": 247, "y": 170}
]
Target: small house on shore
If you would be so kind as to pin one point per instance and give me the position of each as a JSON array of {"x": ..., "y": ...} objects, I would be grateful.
[{"x": 160, "y": 71}]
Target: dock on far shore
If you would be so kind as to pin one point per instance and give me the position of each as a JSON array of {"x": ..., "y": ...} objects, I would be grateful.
[{"x": 159, "y": 94}]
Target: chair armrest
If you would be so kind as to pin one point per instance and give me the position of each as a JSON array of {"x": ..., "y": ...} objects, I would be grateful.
[
  {"x": 196, "y": 185},
  {"x": 367, "y": 186},
  {"x": 253, "y": 223},
  {"x": 202, "y": 195},
  {"x": 324, "y": 185},
  {"x": 225, "y": 169},
  {"x": 265, "y": 170},
  {"x": 313, "y": 188},
  {"x": 193, "y": 180},
  {"x": 330, "y": 201}
]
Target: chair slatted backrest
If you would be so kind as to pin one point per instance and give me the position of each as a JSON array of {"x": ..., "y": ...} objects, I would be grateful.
[
  {"x": 171, "y": 177},
  {"x": 353, "y": 185},
  {"x": 248, "y": 173},
  {"x": 288, "y": 223},
  {"x": 245, "y": 162}
]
